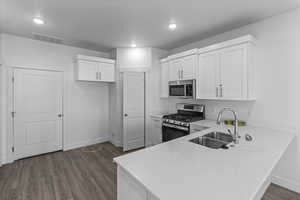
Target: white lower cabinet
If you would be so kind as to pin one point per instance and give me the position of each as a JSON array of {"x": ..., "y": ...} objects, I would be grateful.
[
  {"x": 130, "y": 189},
  {"x": 155, "y": 136}
]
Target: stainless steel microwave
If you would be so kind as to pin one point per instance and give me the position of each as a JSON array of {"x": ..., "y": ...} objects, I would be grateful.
[{"x": 182, "y": 89}]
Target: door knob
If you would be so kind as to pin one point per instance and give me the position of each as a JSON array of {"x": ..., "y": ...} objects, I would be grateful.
[
  {"x": 125, "y": 115},
  {"x": 60, "y": 115}
]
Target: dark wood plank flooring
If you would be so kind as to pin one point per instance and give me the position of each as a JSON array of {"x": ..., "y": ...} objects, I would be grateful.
[{"x": 82, "y": 174}]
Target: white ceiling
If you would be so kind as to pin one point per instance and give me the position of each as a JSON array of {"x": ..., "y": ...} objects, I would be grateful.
[{"x": 106, "y": 24}]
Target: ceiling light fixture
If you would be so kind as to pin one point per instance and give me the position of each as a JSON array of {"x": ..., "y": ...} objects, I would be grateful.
[
  {"x": 38, "y": 21},
  {"x": 133, "y": 45},
  {"x": 172, "y": 26}
]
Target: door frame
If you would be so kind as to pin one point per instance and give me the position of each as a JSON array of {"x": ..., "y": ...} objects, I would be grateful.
[
  {"x": 9, "y": 136},
  {"x": 123, "y": 119}
]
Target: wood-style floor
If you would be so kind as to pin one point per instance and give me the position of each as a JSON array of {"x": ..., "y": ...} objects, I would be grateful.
[{"x": 83, "y": 174}]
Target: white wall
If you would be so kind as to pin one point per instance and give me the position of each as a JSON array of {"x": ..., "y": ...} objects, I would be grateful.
[
  {"x": 276, "y": 57},
  {"x": 86, "y": 105}
]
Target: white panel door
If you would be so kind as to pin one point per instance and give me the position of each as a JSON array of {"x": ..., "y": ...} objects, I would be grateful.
[
  {"x": 38, "y": 106},
  {"x": 88, "y": 70},
  {"x": 107, "y": 72},
  {"x": 233, "y": 72},
  {"x": 188, "y": 67},
  {"x": 208, "y": 76},
  {"x": 164, "y": 80},
  {"x": 174, "y": 69},
  {"x": 133, "y": 110}
]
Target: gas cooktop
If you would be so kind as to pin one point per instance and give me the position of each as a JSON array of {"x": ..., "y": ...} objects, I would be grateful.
[{"x": 183, "y": 117}]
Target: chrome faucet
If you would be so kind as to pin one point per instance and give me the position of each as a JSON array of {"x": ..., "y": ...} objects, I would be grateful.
[{"x": 235, "y": 134}]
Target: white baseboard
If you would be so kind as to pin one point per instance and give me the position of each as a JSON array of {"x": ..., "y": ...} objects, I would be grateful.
[
  {"x": 86, "y": 143},
  {"x": 116, "y": 143},
  {"x": 286, "y": 183}
]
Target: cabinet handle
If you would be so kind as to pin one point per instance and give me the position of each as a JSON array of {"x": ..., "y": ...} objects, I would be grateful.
[
  {"x": 97, "y": 76},
  {"x": 221, "y": 88},
  {"x": 217, "y": 91},
  {"x": 178, "y": 72},
  {"x": 182, "y": 74}
]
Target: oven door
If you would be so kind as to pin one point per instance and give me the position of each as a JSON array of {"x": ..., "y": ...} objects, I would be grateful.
[
  {"x": 170, "y": 132},
  {"x": 177, "y": 90}
]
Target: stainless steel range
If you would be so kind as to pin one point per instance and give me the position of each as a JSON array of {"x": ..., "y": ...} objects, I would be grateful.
[{"x": 178, "y": 124}]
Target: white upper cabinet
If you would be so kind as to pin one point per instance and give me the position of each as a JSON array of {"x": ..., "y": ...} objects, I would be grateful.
[
  {"x": 87, "y": 70},
  {"x": 107, "y": 72},
  {"x": 164, "y": 79},
  {"x": 233, "y": 72},
  {"x": 183, "y": 66},
  {"x": 94, "y": 69},
  {"x": 188, "y": 67},
  {"x": 175, "y": 70},
  {"x": 222, "y": 71},
  {"x": 225, "y": 71},
  {"x": 208, "y": 77},
  {"x": 134, "y": 59}
]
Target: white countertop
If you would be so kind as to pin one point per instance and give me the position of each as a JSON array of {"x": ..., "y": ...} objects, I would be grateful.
[{"x": 179, "y": 169}]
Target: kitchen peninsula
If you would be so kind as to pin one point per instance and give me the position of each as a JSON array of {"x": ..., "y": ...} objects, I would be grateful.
[{"x": 180, "y": 169}]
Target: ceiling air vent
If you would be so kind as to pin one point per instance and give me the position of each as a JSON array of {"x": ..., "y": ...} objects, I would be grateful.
[{"x": 47, "y": 38}]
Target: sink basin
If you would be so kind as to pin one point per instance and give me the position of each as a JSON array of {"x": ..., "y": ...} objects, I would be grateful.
[
  {"x": 224, "y": 137},
  {"x": 214, "y": 140}
]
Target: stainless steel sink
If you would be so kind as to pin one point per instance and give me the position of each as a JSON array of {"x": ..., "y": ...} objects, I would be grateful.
[
  {"x": 224, "y": 137},
  {"x": 214, "y": 140}
]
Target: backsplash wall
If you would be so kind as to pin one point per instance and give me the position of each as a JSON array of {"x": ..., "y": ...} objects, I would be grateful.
[{"x": 212, "y": 108}]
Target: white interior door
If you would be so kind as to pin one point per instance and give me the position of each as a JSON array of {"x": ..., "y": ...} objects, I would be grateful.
[
  {"x": 38, "y": 106},
  {"x": 133, "y": 110}
]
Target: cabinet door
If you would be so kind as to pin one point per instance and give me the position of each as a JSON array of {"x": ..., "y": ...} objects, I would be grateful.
[
  {"x": 188, "y": 67},
  {"x": 174, "y": 69},
  {"x": 233, "y": 65},
  {"x": 87, "y": 70},
  {"x": 164, "y": 80},
  {"x": 107, "y": 72},
  {"x": 208, "y": 76},
  {"x": 156, "y": 132},
  {"x": 128, "y": 188}
]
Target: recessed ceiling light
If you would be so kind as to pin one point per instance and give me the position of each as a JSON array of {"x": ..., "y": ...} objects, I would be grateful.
[
  {"x": 38, "y": 21},
  {"x": 172, "y": 26},
  {"x": 133, "y": 45}
]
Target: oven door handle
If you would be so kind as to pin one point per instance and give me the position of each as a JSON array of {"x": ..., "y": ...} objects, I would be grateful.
[{"x": 175, "y": 126}]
